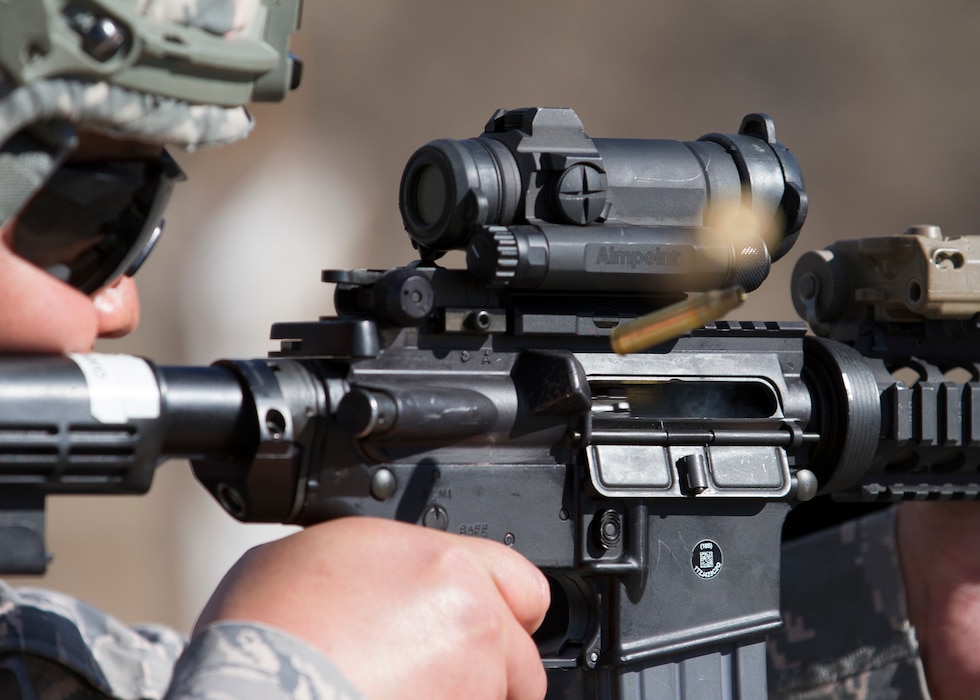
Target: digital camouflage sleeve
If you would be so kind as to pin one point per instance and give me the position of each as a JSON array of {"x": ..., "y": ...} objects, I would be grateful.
[
  {"x": 846, "y": 633},
  {"x": 53, "y": 647}
]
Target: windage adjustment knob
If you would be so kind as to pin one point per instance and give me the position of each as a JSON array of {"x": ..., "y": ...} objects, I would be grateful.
[{"x": 580, "y": 194}]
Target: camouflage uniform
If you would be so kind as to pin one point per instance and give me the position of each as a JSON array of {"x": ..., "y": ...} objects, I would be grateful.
[
  {"x": 846, "y": 633},
  {"x": 53, "y": 647}
]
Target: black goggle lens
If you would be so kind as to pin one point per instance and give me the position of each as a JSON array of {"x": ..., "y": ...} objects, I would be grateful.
[{"x": 93, "y": 222}]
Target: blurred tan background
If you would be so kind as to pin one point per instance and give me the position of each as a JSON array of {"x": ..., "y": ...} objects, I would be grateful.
[{"x": 878, "y": 99}]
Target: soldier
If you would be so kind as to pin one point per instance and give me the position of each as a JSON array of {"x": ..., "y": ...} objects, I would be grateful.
[{"x": 301, "y": 617}]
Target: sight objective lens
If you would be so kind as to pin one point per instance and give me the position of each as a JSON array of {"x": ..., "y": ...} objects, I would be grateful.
[
  {"x": 431, "y": 194},
  {"x": 449, "y": 187}
]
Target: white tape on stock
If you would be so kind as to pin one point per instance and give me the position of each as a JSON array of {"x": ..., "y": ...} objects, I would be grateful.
[{"x": 120, "y": 387}]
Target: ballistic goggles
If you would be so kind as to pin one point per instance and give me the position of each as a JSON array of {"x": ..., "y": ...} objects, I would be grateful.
[{"x": 93, "y": 222}]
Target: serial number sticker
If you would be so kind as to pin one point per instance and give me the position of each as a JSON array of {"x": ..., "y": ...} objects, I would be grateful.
[{"x": 120, "y": 387}]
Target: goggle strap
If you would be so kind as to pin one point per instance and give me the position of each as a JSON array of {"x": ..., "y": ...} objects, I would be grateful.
[{"x": 26, "y": 163}]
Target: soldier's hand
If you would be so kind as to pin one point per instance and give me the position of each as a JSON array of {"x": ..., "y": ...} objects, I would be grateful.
[
  {"x": 402, "y": 611},
  {"x": 937, "y": 543}
]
